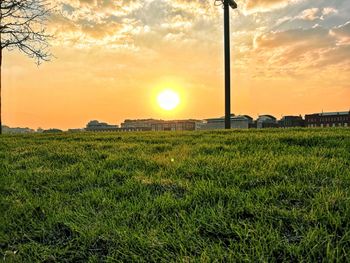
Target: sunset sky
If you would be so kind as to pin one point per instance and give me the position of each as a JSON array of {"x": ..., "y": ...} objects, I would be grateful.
[{"x": 112, "y": 58}]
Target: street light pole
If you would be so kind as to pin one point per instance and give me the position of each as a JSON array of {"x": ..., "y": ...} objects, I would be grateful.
[{"x": 227, "y": 65}]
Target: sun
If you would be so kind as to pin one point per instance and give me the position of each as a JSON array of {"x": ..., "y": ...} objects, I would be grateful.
[{"x": 168, "y": 99}]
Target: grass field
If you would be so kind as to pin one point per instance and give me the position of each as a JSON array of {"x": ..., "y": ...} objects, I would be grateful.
[{"x": 232, "y": 196}]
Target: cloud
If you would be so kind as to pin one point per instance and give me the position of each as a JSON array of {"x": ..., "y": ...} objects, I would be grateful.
[
  {"x": 267, "y": 5},
  {"x": 157, "y": 27},
  {"x": 327, "y": 11},
  {"x": 311, "y": 38},
  {"x": 299, "y": 51},
  {"x": 315, "y": 13},
  {"x": 87, "y": 23},
  {"x": 342, "y": 33},
  {"x": 310, "y": 14}
]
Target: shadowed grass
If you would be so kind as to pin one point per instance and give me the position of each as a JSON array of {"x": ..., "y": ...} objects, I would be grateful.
[{"x": 258, "y": 196}]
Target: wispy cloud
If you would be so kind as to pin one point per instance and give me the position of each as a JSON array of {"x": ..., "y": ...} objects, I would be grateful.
[{"x": 268, "y": 5}]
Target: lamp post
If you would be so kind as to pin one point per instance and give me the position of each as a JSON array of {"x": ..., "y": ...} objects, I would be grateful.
[{"x": 227, "y": 4}]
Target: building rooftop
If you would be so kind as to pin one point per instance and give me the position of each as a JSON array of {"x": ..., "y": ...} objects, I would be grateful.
[
  {"x": 291, "y": 117},
  {"x": 334, "y": 113},
  {"x": 266, "y": 116},
  {"x": 330, "y": 113},
  {"x": 233, "y": 118},
  {"x": 99, "y": 125},
  {"x": 140, "y": 120}
]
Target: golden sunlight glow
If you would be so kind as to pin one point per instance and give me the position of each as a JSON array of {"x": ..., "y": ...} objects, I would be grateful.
[{"x": 168, "y": 100}]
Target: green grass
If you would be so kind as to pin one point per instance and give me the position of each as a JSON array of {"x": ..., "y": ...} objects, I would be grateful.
[{"x": 255, "y": 196}]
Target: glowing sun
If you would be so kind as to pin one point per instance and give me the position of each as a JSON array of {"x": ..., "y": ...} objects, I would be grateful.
[{"x": 168, "y": 99}]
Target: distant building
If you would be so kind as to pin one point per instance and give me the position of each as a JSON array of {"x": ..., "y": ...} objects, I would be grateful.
[
  {"x": 159, "y": 125},
  {"x": 213, "y": 124},
  {"x": 142, "y": 124},
  {"x": 17, "y": 130},
  {"x": 96, "y": 126},
  {"x": 328, "y": 119},
  {"x": 237, "y": 122},
  {"x": 266, "y": 121},
  {"x": 176, "y": 125},
  {"x": 52, "y": 131},
  {"x": 133, "y": 129},
  {"x": 241, "y": 122},
  {"x": 291, "y": 121}
]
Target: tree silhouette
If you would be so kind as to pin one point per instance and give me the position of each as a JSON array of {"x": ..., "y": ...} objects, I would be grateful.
[{"x": 23, "y": 28}]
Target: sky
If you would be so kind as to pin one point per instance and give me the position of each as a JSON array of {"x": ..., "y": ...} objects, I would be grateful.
[{"x": 112, "y": 58}]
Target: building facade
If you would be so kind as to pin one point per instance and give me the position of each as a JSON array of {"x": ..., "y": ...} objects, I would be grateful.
[
  {"x": 142, "y": 124},
  {"x": 291, "y": 121},
  {"x": 328, "y": 119},
  {"x": 237, "y": 122},
  {"x": 96, "y": 126},
  {"x": 266, "y": 121},
  {"x": 133, "y": 129},
  {"x": 241, "y": 122},
  {"x": 176, "y": 125}
]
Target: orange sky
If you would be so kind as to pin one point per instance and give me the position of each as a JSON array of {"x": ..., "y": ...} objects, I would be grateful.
[{"x": 113, "y": 57}]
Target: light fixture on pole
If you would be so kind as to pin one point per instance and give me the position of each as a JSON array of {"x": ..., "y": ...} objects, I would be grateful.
[{"x": 227, "y": 4}]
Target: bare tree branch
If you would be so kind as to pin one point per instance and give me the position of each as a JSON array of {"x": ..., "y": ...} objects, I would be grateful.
[{"x": 23, "y": 27}]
